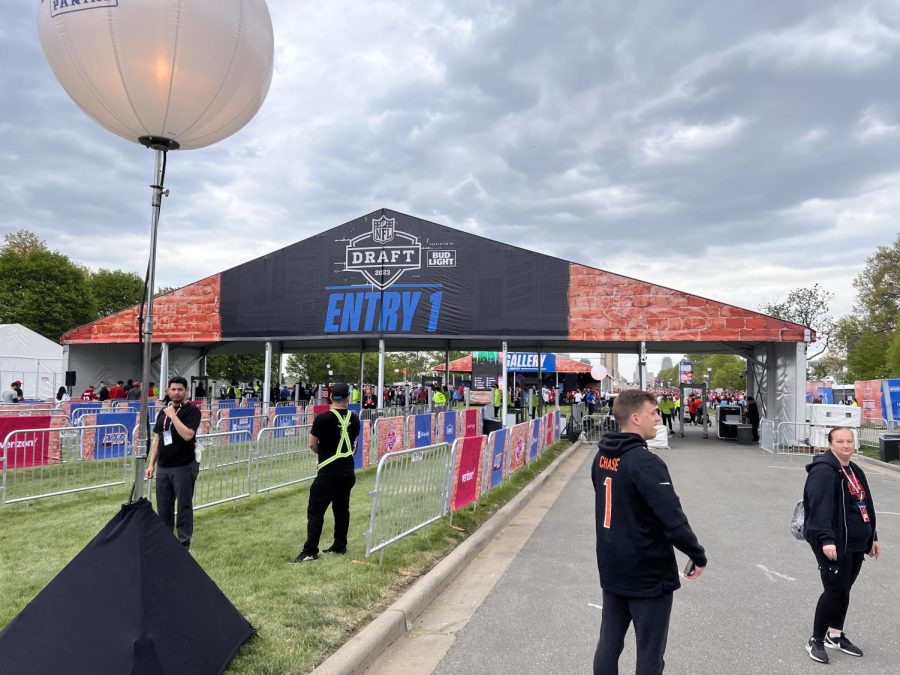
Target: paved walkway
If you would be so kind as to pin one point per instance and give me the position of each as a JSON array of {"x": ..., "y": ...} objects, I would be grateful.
[{"x": 530, "y": 603}]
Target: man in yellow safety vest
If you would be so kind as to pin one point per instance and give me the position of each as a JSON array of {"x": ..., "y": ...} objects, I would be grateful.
[{"x": 332, "y": 438}]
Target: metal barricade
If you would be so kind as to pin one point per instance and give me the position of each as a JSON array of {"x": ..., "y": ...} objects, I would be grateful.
[
  {"x": 54, "y": 461},
  {"x": 226, "y": 424},
  {"x": 792, "y": 438},
  {"x": 225, "y": 468},
  {"x": 371, "y": 414},
  {"x": 593, "y": 427},
  {"x": 767, "y": 435},
  {"x": 870, "y": 429},
  {"x": 283, "y": 457},
  {"x": 411, "y": 491}
]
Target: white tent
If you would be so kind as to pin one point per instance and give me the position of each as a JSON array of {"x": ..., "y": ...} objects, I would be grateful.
[{"x": 30, "y": 358}]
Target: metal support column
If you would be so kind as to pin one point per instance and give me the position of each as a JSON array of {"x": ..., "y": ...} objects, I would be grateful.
[
  {"x": 163, "y": 370},
  {"x": 380, "y": 373},
  {"x": 504, "y": 396},
  {"x": 267, "y": 380}
]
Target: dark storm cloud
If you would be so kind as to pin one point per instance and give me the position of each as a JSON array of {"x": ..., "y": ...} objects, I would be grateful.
[{"x": 757, "y": 141}]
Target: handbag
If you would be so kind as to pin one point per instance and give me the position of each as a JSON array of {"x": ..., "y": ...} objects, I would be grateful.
[{"x": 798, "y": 521}]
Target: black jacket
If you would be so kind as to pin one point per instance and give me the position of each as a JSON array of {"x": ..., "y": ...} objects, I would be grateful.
[
  {"x": 824, "y": 503},
  {"x": 636, "y": 534}
]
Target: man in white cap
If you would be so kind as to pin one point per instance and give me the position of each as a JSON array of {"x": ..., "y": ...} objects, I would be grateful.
[{"x": 332, "y": 438}]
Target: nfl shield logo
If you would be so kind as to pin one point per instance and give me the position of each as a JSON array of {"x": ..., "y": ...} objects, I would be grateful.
[{"x": 382, "y": 230}]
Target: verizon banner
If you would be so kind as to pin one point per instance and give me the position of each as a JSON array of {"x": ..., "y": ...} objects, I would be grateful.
[
  {"x": 25, "y": 449},
  {"x": 470, "y": 422},
  {"x": 466, "y": 471}
]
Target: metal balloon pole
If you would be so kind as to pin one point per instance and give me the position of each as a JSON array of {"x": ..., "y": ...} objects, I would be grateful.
[{"x": 160, "y": 146}]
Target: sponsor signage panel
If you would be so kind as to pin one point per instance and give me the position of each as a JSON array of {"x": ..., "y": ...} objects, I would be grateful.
[
  {"x": 497, "y": 468},
  {"x": 467, "y": 474},
  {"x": 393, "y": 274},
  {"x": 527, "y": 362},
  {"x": 26, "y": 449}
]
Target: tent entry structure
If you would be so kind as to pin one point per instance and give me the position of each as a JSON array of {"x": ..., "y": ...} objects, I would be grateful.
[{"x": 30, "y": 358}]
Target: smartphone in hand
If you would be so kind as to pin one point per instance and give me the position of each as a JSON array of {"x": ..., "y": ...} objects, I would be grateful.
[{"x": 689, "y": 568}]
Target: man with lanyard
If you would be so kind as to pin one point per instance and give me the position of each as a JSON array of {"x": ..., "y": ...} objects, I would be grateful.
[
  {"x": 173, "y": 461},
  {"x": 332, "y": 438}
]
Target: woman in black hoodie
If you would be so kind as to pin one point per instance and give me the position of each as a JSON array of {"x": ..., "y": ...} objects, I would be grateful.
[{"x": 840, "y": 528}]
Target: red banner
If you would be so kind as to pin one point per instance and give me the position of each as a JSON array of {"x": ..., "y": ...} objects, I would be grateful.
[
  {"x": 470, "y": 422},
  {"x": 548, "y": 429},
  {"x": 25, "y": 449},
  {"x": 467, "y": 471}
]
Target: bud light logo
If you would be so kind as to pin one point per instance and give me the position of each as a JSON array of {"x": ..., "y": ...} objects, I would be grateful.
[
  {"x": 468, "y": 476},
  {"x": 391, "y": 439},
  {"x": 519, "y": 450}
]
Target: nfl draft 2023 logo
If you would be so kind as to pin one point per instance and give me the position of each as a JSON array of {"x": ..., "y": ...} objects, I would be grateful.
[{"x": 384, "y": 254}]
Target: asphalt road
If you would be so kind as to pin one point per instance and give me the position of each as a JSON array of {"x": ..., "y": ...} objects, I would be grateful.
[{"x": 751, "y": 611}]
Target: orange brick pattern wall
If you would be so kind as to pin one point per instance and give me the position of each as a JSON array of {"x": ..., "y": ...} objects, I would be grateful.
[
  {"x": 609, "y": 307},
  {"x": 190, "y": 314}
]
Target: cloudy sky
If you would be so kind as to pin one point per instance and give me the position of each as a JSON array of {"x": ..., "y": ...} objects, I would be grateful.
[{"x": 730, "y": 149}]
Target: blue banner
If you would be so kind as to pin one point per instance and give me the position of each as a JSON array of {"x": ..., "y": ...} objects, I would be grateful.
[
  {"x": 449, "y": 429},
  {"x": 241, "y": 419},
  {"x": 423, "y": 431},
  {"x": 114, "y": 441},
  {"x": 285, "y": 416},
  {"x": 498, "y": 457},
  {"x": 890, "y": 400},
  {"x": 355, "y": 407},
  {"x": 228, "y": 403},
  {"x": 79, "y": 408},
  {"x": 825, "y": 394},
  {"x": 535, "y": 440},
  {"x": 527, "y": 362},
  {"x": 557, "y": 431}
]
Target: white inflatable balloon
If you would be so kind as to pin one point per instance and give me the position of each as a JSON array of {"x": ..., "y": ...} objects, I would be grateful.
[
  {"x": 598, "y": 373},
  {"x": 189, "y": 72}
]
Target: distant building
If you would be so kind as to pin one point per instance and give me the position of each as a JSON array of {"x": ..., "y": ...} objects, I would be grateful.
[{"x": 666, "y": 363}]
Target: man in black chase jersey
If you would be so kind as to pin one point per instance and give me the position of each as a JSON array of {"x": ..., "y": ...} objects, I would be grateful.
[
  {"x": 332, "y": 438},
  {"x": 638, "y": 521}
]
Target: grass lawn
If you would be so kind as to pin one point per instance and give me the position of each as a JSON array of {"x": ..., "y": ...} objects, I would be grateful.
[{"x": 302, "y": 612}]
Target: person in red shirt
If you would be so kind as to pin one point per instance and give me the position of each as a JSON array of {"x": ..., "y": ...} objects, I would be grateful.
[
  {"x": 89, "y": 394},
  {"x": 694, "y": 406},
  {"x": 117, "y": 391}
]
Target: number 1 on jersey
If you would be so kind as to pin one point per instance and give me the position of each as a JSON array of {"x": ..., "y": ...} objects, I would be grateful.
[{"x": 607, "y": 488}]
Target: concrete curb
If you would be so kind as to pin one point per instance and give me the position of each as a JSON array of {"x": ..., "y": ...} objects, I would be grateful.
[
  {"x": 361, "y": 650},
  {"x": 876, "y": 463}
]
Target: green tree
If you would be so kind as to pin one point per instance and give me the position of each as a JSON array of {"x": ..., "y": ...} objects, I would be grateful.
[
  {"x": 41, "y": 289},
  {"x": 115, "y": 290},
  {"x": 808, "y": 307},
  {"x": 878, "y": 288},
  {"x": 867, "y": 359},
  {"x": 727, "y": 370},
  {"x": 893, "y": 356},
  {"x": 241, "y": 367}
]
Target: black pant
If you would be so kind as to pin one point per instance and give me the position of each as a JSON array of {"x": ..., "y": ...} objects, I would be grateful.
[
  {"x": 837, "y": 580},
  {"x": 667, "y": 420},
  {"x": 651, "y": 629},
  {"x": 175, "y": 484},
  {"x": 334, "y": 489}
]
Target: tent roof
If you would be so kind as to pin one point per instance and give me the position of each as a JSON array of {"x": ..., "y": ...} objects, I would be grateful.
[
  {"x": 563, "y": 365},
  {"x": 421, "y": 285},
  {"x": 20, "y": 342}
]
